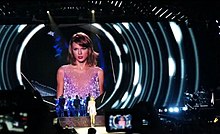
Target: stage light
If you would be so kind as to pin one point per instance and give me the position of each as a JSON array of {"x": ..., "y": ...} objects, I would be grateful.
[
  {"x": 125, "y": 48},
  {"x": 163, "y": 13},
  {"x": 160, "y": 110},
  {"x": 136, "y": 73},
  {"x": 168, "y": 15},
  {"x": 93, "y": 11},
  {"x": 158, "y": 11},
  {"x": 172, "y": 67},
  {"x": 21, "y": 27},
  {"x": 215, "y": 120},
  {"x": 154, "y": 8},
  {"x": 126, "y": 25},
  {"x": 171, "y": 110},
  {"x": 176, "y": 109},
  {"x": 173, "y": 17},
  {"x": 184, "y": 108},
  {"x": 176, "y": 32},
  {"x": 117, "y": 28},
  {"x": 165, "y": 110}
]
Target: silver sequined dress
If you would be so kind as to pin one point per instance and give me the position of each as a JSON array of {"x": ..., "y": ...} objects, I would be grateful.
[{"x": 81, "y": 83}]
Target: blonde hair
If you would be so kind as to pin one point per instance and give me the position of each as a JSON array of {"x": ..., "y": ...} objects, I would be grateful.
[{"x": 92, "y": 98}]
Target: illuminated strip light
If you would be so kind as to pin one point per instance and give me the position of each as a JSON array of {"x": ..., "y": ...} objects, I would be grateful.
[
  {"x": 137, "y": 67},
  {"x": 133, "y": 57},
  {"x": 126, "y": 25},
  {"x": 173, "y": 17},
  {"x": 125, "y": 48},
  {"x": 124, "y": 98},
  {"x": 118, "y": 52},
  {"x": 116, "y": 3},
  {"x": 182, "y": 66},
  {"x": 120, "y": 4},
  {"x": 21, "y": 27},
  {"x": 115, "y": 104},
  {"x": 169, "y": 55},
  {"x": 154, "y": 9},
  {"x": 139, "y": 92},
  {"x": 176, "y": 32},
  {"x": 145, "y": 53},
  {"x": 196, "y": 60},
  {"x": 178, "y": 13},
  {"x": 1, "y": 70},
  {"x": 1, "y": 41},
  {"x": 9, "y": 48},
  {"x": 153, "y": 63},
  {"x": 172, "y": 67},
  {"x": 163, "y": 13},
  {"x": 158, "y": 11},
  {"x": 3, "y": 54},
  {"x": 178, "y": 36},
  {"x": 117, "y": 28},
  {"x": 182, "y": 16},
  {"x": 25, "y": 42},
  {"x": 168, "y": 15},
  {"x": 126, "y": 102},
  {"x": 161, "y": 69},
  {"x": 136, "y": 74},
  {"x": 182, "y": 77}
]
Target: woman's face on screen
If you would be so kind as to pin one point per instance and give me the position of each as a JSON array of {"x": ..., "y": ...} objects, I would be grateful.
[{"x": 80, "y": 53}]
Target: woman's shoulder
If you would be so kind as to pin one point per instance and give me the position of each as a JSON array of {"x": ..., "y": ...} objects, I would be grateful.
[
  {"x": 64, "y": 67},
  {"x": 98, "y": 68}
]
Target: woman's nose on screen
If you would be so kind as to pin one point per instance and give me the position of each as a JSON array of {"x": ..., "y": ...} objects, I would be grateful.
[{"x": 80, "y": 52}]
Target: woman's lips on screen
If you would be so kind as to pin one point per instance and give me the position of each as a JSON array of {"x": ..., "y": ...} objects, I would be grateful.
[{"x": 80, "y": 57}]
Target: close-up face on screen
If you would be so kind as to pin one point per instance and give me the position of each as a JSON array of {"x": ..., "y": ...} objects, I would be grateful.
[{"x": 87, "y": 65}]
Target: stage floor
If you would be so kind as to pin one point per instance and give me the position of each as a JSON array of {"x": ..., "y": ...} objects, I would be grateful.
[
  {"x": 99, "y": 130},
  {"x": 82, "y": 124}
]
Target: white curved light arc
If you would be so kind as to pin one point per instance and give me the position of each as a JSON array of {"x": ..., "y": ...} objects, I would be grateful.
[
  {"x": 120, "y": 62},
  {"x": 24, "y": 44}
]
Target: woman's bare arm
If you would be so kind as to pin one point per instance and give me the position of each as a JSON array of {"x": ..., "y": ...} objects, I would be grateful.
[
  {"x": 101, "y": 80},
  {"x": 60, "y": 82}
]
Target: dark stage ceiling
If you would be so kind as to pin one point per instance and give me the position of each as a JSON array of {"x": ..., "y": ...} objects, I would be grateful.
[{"x": 72, "y": 11}]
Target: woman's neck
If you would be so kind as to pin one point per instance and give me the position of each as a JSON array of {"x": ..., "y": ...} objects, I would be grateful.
[{"x": 81, "y": 66}]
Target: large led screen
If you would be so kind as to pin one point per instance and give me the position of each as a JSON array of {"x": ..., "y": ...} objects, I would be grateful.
[{"x": 142, "y": 61}]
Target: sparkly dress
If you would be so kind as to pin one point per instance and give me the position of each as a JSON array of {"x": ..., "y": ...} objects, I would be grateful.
[{"x": 81, "y": 83}]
